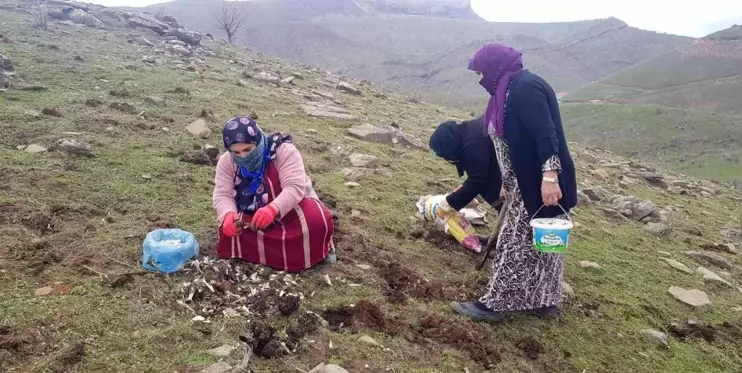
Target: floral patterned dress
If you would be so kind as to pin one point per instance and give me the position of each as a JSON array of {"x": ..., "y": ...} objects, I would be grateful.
[{"x": 522, "y": 278}]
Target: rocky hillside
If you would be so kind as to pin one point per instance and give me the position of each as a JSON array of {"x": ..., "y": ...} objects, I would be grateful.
[
  {"x": 422, "y": 50},
  {"x": 110, "y": 126}
]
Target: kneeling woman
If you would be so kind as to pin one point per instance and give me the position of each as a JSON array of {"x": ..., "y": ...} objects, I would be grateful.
[{"x": 264, "y": 201}]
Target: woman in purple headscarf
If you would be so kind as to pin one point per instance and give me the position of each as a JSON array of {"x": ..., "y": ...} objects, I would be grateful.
[{"x": 538, "y": 176}]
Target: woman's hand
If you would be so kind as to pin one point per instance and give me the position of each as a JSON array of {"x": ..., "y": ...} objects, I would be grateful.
[
  {"x": 228, "y": 226},
  {"x": 264, "y": 217},
  {"x": 502, "y": 192},
  {"x": 551, "y": 193}
]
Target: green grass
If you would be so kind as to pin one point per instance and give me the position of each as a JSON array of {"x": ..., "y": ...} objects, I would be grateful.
[
  {"x": 104, "y": 208},
  {"x": 700, "y": 143}
]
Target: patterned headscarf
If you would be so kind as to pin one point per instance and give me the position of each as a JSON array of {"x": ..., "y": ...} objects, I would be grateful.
[
  {"x": 251, "y": 167},
  {"x": 498, "y": 64}
]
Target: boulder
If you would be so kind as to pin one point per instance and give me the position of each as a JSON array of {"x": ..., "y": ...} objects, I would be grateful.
[
  {"x": 655, "y": 336},
  {"x": 711, "y": 258},
  {"x": 82, "y": 17},
  {"x": 692, "y": 297},
  {"x": 328, "y": 111},
  {"x": 170, "y": 21},
  {"x": 142, "y": 20},
  {"x": 384, "y": 135},
  {"x": 636, "y": 209},
  {"x": 596, "y": 194},
  {"x": 711, "y": 276},
  {"x": 677, "y": 265},
  {"x": 362, "y": 160},
  {"x": 6, "y": 64},
  {"x": 348, "y": 88},
  {"x": 267, "y": 77},
  {"x": 369, "y": 341},
  {"x": 35, "y": 148},
  {"x": 653, "y": 178},
  {"x": 179, "y": 50},
  {"x": 658, "y": 229},
  {"x": 199, "y": 128},
  {"x": 187, "y": 36},
  {"x": 73, "y": 147}
]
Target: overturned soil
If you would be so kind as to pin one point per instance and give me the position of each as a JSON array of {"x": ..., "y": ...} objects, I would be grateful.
[
  {"x": 365, "y": 314},
  {"x": 724, "y": 332},
  {"x": 461, "y": 336},
  {"x": 266, "y": 342},
  {"x": 403, "y": 282},
  {"x": 530, "y": 347}
]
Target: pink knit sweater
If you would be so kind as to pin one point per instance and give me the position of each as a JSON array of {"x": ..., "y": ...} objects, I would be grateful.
[{"x": 295, "y": 183}]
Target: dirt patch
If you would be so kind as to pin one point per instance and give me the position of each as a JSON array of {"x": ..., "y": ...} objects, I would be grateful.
[
  {"x": 93, "y": 102},
  {"x": 123, "y": 107},
  {"x": 288, "y": 305},
  {"x": 16, "y": 346},
  {"x": 266, "y": 342},
  {"x": 725, "y": 331},
  {"x": 365, "y": 314},
  {"x": 306, "y": 325},
  {"x": 531, "y": 347},
  {"x": 52, "y": 112},
  {"x": 465, "y": 337},
  {"x": 440, "y": 239},
  {"x": 35, "y": 220},
  {"x": 402, "y": 283}
]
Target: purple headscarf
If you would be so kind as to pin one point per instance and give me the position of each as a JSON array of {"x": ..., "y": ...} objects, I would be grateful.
[{"x": 498, "y": 64}]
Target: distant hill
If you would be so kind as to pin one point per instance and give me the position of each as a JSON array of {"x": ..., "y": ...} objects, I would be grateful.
[
  {"x": 423, "y": 46},
  {"x": 704, "y": 75}
]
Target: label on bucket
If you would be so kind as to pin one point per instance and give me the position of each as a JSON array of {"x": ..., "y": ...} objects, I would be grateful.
[{"x": 551, "y": 235}]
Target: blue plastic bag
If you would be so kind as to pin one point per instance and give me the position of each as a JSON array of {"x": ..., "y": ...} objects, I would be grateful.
[{"x": 168, "y": 250}]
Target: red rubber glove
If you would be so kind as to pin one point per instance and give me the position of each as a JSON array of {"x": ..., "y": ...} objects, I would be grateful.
[
  {"x": 264, "y": 217},
  {"x": 228, "y": 227}
]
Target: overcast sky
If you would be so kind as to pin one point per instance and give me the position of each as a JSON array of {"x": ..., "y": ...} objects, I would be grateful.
[{"x": 697, "y": 18}]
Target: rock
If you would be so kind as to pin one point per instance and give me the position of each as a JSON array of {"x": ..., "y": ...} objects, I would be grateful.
[
  {"x": 220, "y": 367},
  {"x": 352, "y": 184},
  {"x": 567, "y": 289},
  {"x": 332, "y": 368},
  {"x": 588, "y": 158},
  {"x": 722, "y": 247},
  {"x": 658, "y": 337},
  {"x": 362, "y": 160},
  {"x": 354, "y": 174},
  {"x": 187, "y": 36},
  {"x": 211, "y": 152},
  {"x": 653, "y": 178},
  {"x": 154, "y": 100},
  {"x": 711, "y": 258},
  {"x": 135, "y": 20},
  {"x": 711, "y": 276},
  {"x": 267, "y": 77},
  {"x": 40, "y": 292},
  {"x": 82, "y": 17},
  {"x": 600, "y": 174},
  {"x": 34, "y": 148},
  {"x": 6, "y": 64},
  {"x": 288, "y": 80},
  {"x": 179, "y": 50},
  {"x": 665, "y": 253},
  {"x": 590, "y": 265},
  {"x": 221, "y": 351},
  {"x": 637, "y": 209},
  {"x": 328, "y": 111},
  {"x": 199, "y": 128},
  {"x": 146, "y": 42},
  {"x": 319, "y": 368},
  {"x": 693, "y": 297},
  {"x": 596, "y": 194},
  {"x": 582, "y": 198},
  {"x": 74, "y": 147},
  {"x": 737, "y": 184},
  {"x": 677, "y": 265},
  {"x": 348, "y": 88},
  {"x": 170, "y": 21},
  {"x": 388, "y": 135},
  {"x": 368, "y": 340},
  {"x": 658, "y": 229},
  {"x": 231, "y": 312},
  {"x": 51, "y": 112},
  {"x": 323, "y": 94}
]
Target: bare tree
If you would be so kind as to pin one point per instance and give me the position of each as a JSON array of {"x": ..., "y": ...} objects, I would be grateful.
[
  {"x": 40, "y": 13},
  {"x": 160, "y": 12},
  {"x": 230, "y": 19}
]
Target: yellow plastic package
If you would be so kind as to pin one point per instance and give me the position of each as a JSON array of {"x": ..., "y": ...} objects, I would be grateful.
[{"x": 454, "y": 223}]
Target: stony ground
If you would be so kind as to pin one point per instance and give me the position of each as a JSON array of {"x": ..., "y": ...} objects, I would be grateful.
[{"x": 110, "y": 133}]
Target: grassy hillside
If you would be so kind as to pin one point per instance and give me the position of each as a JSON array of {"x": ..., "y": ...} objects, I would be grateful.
[
  {"x": 699, "y": 143},
  {"x": 427, "y": 54},
  {"x": 704, "y": 75},
  {"x": 72, "y": 297}
]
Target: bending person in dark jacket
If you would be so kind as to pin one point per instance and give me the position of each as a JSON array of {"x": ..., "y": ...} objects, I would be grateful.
[
  {"x": 464, "y": 146},
  {"x": 524, "y": 125}
]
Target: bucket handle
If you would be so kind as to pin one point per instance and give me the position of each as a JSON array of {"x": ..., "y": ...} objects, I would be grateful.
[{"x": 560, "y": 206}]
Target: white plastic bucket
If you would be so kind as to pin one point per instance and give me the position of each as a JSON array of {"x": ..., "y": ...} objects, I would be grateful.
[{"x": 551, "y": 235}]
